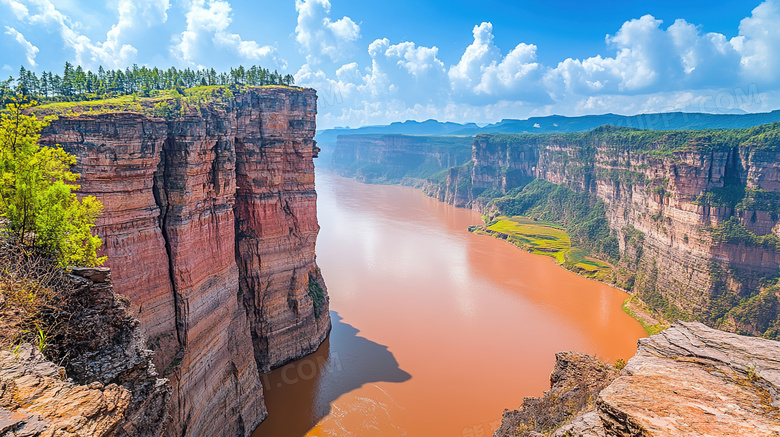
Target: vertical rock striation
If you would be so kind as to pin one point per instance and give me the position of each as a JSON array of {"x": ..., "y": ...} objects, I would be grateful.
[
  {"x": 210, "y": 226},
  {"x": 277, "y": 226}
]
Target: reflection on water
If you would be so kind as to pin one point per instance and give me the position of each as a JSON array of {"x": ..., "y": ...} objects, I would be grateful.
[
  {"x": 300, "y": 394},
  {"x": 442, "y": 329}
]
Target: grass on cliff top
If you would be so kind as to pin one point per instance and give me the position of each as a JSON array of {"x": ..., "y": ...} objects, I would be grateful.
[
  {"x": 164, "y": 103},
  {"x": 654, "y": 143}
]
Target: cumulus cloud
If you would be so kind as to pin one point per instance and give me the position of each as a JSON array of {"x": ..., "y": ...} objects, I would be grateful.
[
  {"x": 30, "y": 50},
  {"x": 401, "y": 77},
  {"x": 320, "y": 37},
  {"x": 654, "y": 67},
  {"x": 650, "y": 59},
  {"x": 207, "y": 27},
  {"x": 759, "y": 43},
  {"x": 482, "y": 74},
  {"x": 113, "y": 52}
]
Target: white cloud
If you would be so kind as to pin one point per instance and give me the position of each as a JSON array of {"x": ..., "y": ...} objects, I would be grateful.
[
  {"x": 654, "y": 68},
  {"x": 759, "y": 43},
  {"x": 467, "y": 74},
  {"x": 18, "y": 9},
  {"x": 402, "y": 77},
  {"x": 207, "y": 24},
  {"x": 319, "y": 36},
  {"x": 483, "y": 75},
  {"x": 113, "y": 52},
  {"x": 30, "y": 50}
]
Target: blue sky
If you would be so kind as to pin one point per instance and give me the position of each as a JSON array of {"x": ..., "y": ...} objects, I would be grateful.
[{"x": 457, "y": 60}]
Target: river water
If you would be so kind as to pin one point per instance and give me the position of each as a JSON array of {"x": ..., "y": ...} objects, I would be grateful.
[{"x": 435, "y": 330}]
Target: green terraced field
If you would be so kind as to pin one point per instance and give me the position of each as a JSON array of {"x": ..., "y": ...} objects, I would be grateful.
[
  {"x": 546, "y": 239},
  {"x": 536, "y": 237}
]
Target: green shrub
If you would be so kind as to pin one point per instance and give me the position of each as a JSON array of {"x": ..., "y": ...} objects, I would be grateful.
[
  {"x": 732, "y": 231},
  {"x": 36, "y": 193}
]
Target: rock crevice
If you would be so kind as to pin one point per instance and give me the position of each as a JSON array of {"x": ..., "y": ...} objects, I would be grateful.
[{"x": 210, "y": 226}]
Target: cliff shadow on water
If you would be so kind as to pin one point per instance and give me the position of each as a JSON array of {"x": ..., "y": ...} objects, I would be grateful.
[{"x": 300, "y": 394}]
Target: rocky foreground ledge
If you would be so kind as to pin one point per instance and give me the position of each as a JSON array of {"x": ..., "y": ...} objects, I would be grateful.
[
  {"x": 105, "y": 384},
  {"x": 689, "y": 380}
]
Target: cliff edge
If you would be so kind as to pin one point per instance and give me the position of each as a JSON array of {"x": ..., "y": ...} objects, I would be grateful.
[
  {"x": 689, "y": 380},
  {"x": 107, "y": 384},
  {"x": 209, "y": 225}
]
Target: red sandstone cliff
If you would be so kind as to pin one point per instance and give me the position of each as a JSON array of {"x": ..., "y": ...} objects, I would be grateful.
[{"x": 209, "y": 227}]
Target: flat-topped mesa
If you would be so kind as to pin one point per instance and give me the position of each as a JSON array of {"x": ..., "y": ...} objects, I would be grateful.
[{"x": 209, "y": 226}]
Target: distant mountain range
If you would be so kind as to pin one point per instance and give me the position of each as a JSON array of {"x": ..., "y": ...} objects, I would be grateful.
[{"x": 562, "y": 124}]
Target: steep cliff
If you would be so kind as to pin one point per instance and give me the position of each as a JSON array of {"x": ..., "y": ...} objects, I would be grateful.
[
  {"x": 209, "y": 227},
  {"x": 689, "y": 380},
  {"x": 701, "y": 207}
]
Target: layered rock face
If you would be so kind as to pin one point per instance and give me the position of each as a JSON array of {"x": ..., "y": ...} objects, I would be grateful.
[
  {"x": 575, "y": 383},
  {"x": 112, "y": 387},
  {"x": 209, "y": 227},
  {"x": 692, "y": 380},
  {"x": 661, "y": 197},
  {"x": 276, "y": 223},
  {"x": 662, "y": 192},
  {"x": 689, "y": 380}
]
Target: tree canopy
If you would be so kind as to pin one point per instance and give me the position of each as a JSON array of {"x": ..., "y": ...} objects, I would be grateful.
[
  {"x": 37, "y": 199},
  {"x": 77, "y": 84}
]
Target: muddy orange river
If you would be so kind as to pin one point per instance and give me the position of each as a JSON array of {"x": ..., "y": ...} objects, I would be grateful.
[{"x": 435, "y": 330}]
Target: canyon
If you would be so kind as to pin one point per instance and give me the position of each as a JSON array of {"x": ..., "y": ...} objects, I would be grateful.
[
  {"x": 700, "y": 206},
  {"x": 209, "y": 226},
  {"x": 693, "y": 218}
]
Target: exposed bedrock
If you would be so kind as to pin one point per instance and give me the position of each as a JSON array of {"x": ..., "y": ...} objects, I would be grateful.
[
  {"x": 107, "y": 386},
  {"x": 689, "y": 380},
  {"x": 658, "y": 207},
  {"x": 209, "y": 227}
]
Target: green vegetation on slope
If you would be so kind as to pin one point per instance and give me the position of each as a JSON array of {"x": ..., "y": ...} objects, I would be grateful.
[
  {"x": 732, "y": 231},
  {"x": 581, "y": 214},
  {"x": 317, "y": 294},
  {"x": 758, "y": 313},
  {"x": 637, "y": 310},
  {"x": 37, "y": 201},
  {"x": 651, "y": 142}
]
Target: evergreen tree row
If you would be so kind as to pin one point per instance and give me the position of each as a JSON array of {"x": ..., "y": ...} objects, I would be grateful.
[{"x": 76, "y": 84}]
